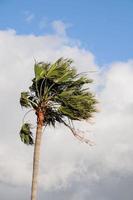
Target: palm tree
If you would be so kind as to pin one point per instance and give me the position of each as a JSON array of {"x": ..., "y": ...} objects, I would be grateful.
[{"x": 57, "y": 94}]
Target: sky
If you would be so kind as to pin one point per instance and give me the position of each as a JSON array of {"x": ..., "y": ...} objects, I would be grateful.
[
  {"x": 97, "y": 35},
  {"x": 104, "y": 27}
]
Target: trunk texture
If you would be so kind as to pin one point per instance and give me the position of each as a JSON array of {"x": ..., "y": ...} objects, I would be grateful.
[{"x": 36, "y": 159}]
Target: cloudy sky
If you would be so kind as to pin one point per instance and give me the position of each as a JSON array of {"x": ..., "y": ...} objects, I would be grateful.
[{"x": 98, "y": 37}]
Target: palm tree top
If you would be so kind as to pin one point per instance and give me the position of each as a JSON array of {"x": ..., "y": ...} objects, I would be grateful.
[{"x": 60, "y": 94}]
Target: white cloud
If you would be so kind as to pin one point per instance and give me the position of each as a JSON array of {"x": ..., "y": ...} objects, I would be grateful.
[
  {"x": 115, "y": 120},
  {"x": 64, "y": 160},
  {"x": 60, "y": 27}
]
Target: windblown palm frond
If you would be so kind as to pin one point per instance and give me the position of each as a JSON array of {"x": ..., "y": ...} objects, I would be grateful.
[
  {"x": 26, "y": 134},
  {"x": 52, "y": 116},
  {"x": 24, "y": 99}
]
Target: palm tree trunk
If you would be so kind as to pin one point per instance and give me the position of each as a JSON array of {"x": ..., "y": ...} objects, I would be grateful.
[{"x": 36, "y": 159}]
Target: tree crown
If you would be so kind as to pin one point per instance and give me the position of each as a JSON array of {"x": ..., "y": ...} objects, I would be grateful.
[{"x": 60, "y": 93}]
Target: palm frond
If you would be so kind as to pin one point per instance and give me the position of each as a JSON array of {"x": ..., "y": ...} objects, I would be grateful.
[
  {"x": 26, "y": 134},
  {"x": 61, "y": 71},
  {"x": 39, "y": 71},
  {"x": 80, "y": 135},
  {"x": 52, "y": 116},
  {"x": 76, "y": 104},
  {"x": 24, "y": 99}
]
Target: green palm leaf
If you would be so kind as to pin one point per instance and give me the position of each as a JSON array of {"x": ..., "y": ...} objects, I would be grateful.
[
  {"x": 26, "y": 134},
  {"x": 24, "y": 99}
]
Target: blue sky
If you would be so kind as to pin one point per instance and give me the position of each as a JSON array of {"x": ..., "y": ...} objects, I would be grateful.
[{"x": 103, "y": 26}]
